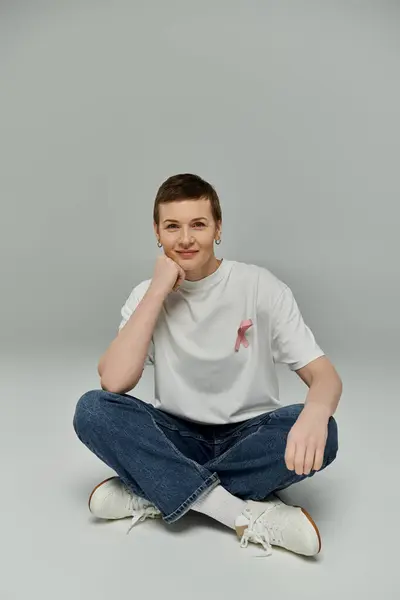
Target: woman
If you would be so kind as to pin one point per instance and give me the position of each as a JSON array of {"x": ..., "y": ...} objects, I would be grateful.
[{"x": 217, "y": 439}]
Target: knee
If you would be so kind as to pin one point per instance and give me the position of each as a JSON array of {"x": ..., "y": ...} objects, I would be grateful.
[
  {"x": 88, "y": 411},
  {"x": 332, "y": 443}
]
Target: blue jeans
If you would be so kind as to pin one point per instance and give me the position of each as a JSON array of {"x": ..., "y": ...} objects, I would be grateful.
[{"x": 172, "y": 462}]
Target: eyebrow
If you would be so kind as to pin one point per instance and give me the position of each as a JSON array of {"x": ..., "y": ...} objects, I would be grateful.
[{"x": 174, "y": 220}]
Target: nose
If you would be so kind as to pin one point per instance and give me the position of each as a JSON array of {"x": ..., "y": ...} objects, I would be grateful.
[{"x": 186, "y": 238}]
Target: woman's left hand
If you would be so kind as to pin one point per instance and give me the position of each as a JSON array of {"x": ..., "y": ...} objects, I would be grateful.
[{"x": 306, "y": 441}]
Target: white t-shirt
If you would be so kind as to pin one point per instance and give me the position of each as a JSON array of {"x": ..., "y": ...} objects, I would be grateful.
[{"x": 198, "y": 374}]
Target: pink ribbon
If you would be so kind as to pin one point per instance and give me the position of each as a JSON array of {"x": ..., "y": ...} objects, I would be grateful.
[{"x": 241, "y": 338}]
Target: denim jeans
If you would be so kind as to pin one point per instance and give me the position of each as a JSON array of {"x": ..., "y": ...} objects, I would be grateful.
[{"x": 172, "y": 462}]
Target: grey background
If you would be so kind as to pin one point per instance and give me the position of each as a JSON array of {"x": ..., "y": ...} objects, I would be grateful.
[{"x": 291, "y": 109}]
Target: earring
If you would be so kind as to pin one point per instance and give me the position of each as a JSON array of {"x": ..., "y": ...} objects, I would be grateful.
[
  {"x": 218, "y": 241},
  {"x": 159, "y": 244}
]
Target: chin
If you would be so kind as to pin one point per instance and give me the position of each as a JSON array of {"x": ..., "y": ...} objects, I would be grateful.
[{"x": 191, "y": 264}]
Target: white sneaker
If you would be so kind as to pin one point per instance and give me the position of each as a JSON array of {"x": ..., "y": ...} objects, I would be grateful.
[
  {"x": 110, "y": 499},
  {"x": 290, "y": 527}
]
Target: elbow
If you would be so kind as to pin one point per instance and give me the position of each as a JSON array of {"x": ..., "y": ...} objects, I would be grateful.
[
  {"x": 105, "y": 386},
  {"x": 117, "y": 388},
  {"x": 110, "y": 387}
]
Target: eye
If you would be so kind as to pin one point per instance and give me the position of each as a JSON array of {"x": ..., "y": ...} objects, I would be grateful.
[
  {"x": 171, "y": 225},
  {"x": 200, "y": 224}
]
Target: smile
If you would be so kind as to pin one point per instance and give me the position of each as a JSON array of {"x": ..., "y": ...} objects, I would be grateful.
[{"x": 187, "y": 254}]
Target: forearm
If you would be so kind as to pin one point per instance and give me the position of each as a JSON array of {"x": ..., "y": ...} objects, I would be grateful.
[
  {"x": 123, "y": 363},
  {"x": 324, "y": 394}
]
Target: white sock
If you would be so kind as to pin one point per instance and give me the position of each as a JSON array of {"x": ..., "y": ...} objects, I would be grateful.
[{"x": 220, "y": 505}]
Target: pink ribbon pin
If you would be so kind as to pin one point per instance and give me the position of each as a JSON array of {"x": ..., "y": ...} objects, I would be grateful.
[{"x": 241, "y": 338}]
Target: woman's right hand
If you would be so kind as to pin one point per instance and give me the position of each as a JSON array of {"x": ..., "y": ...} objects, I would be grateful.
[{"x": 168, "y": 275}]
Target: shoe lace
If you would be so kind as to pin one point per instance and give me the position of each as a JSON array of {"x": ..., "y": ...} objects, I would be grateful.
[
  {"x": 261, "y": 531},
  {"x": 141, "y": 510}
]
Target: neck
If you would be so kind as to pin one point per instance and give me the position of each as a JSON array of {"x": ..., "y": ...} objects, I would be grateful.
[{"x": 207, "y": 269}]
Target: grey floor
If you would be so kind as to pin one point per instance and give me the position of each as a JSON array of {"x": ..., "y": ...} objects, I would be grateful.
[{"x": 52, "y": 548}]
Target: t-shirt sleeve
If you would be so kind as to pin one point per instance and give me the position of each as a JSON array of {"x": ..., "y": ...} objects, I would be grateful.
[
  {"x": 293, "y": 342},
  {"x": 126, "y": 311}
]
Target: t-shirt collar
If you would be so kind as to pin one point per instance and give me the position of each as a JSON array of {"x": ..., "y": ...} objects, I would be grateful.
[{"x": 206, "y": 282}]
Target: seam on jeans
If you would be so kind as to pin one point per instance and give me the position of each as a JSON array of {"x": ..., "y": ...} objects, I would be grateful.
[
  {"x": 296, "y": 407},
  {"x": 181, "y": 432},
  {"x": 198, "y": 467},
  {"x": 173, "y": 427},
  {"x": 207, "y": 486},
  {"x": 216, "y": 461},
  {"x": 259, "y": 420},
  {"x": 269, "y": 415}
]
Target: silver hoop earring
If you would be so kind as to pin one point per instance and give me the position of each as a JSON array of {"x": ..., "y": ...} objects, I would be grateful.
[
  {"x": 159, "y": 244},
  {"x": 218, "y": 242}
]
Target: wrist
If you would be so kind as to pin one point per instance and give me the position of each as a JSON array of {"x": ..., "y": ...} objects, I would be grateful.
[
  {"x": 156, "y": 293},
  {"x": 317, "y": 409}
]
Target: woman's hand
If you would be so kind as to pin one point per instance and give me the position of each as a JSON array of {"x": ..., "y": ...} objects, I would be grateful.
[
  {"x": 168, "y": 275},
  {"x": 306, "y": 441}
]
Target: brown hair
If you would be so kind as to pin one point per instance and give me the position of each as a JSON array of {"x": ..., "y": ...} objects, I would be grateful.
[{"x": 186, "y": 186}]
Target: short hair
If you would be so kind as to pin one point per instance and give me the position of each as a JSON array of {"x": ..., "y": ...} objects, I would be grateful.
[{"x": 186, "y": 186}]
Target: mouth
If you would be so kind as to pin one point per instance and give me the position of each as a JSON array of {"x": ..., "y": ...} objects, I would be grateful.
[{"x": 187, "y": 254}]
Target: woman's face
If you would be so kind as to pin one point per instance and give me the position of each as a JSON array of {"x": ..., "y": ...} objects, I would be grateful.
[{"x": 187, "y": 231}]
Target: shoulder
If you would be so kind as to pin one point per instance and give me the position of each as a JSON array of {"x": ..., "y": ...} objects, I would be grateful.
[
  {"x": 269, "y": 287},
  {"x": 137, "y": 294}
]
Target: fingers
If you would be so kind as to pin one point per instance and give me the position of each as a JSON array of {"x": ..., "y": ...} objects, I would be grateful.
[
  {"x": 303, "y": 459},
  {"x": 289, "y": 454},
  {"x": 299, "y": 459},
  {"x": 181, "y": 277},
  {"x": 305, "y": 449},
  {"x": 319, "y": 458},
  {"x": 295, "y": 456},
  {"x": 309, "y": 459}
]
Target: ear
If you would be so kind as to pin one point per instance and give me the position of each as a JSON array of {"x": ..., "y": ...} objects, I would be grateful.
[{"x": 156, "y": 229}]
